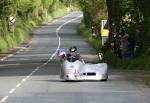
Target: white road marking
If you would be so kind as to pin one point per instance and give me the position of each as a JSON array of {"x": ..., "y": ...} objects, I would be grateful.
[
  {"x": 18, "y": 52},
  {"x": 18, "y": 85},
  {"x": 45, "y": 63},
  {"x": 37, "y": 68},
  {"x": 27, "y": 77},
  {"x": 12, "y": 90},
  {"x": 4, "y": 99},
  {"x": 30, "y": 74},
  {"x": 57, "y": 34},
  {"x": 10, "y": 55},
  {"x": 2, "y": 59},
  {"x": 23, "y": 80},
  {"x": 34, "y": 71}
]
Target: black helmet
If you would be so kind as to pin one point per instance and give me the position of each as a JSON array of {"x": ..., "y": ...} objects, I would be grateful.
[{"x": 73, "y": 49}]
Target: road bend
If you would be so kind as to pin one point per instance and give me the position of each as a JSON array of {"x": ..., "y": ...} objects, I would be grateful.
[{"x": 32, "y": 76}]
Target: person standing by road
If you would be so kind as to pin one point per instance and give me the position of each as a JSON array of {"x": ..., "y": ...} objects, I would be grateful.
[
  {"x": 131, "y": 45},
  {"x": 124, "y": 46},
  {"x": 94, "y": 32},
  {"x": 116, "y": 44}
]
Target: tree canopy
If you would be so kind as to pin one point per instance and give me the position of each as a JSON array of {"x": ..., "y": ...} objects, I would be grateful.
[{"x": 125, "y": 16}]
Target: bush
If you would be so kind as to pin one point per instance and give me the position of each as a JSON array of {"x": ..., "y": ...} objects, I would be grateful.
[
  {"x": 3, "y": 45},
  {"x": 11, "y": 42},
  {"x": 32, "y": 23},
  {"x": 20, "y": 35}
]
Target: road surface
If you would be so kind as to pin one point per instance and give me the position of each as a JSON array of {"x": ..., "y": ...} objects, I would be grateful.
[{"x": 32, "y": 76}]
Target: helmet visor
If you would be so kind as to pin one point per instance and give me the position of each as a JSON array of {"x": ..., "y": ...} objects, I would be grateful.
[{"x": 73, "y": 50}]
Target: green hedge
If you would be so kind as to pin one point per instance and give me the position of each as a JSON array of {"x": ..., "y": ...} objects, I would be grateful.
[{"x": 3, "y": 45}]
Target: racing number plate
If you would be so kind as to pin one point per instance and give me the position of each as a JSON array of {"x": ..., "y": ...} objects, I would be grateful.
[{"x": 71, "y": 71}]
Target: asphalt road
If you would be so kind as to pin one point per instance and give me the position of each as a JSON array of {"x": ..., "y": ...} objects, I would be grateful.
[{"x": 32, "y": 76}]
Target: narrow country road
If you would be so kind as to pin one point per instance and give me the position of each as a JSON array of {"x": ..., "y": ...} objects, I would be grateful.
[{"x": 32, "y": 76}]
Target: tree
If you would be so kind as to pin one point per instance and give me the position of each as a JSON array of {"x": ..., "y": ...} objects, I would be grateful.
[
  {"x": 93, "y": 11},
  {"x": 132, "y": 17}
]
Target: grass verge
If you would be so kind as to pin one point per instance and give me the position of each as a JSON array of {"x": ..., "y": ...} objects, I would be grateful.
[
  {"x": 136, "y": 63},
  {"x": 86, "y": 32},
  {"x": 23, "y": 28}
]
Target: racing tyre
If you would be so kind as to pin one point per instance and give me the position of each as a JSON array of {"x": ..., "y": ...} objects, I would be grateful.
[{"x": 105, "y": 79}]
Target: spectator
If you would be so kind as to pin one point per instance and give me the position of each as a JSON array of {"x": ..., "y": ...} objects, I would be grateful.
[
  {"x": 116, "y": 44},
  {"x": 131, "y": 46},
  {"x": 94, "y": 32},
  {"x": 124, "y": 46}
]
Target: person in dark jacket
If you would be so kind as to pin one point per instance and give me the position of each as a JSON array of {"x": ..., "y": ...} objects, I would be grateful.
[
  {"x": 131, "y": 46},
  {"x": 73, "y": 52}
]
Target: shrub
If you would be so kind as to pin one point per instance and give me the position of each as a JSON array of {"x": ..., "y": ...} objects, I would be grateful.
[
  {"x": 20, "y": 35},
  {"x": 11, "y": 42},
  {"x": 3, "y": 45}
]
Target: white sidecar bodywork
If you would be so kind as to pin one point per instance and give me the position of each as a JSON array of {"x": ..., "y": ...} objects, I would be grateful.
[{"x": 77, "y": 70}]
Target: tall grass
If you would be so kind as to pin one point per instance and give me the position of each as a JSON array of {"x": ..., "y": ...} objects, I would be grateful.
[
  {"x": 3, "y": 45},
  {"x": 11, "y": 42},
  {"x": 23, "y": 29}
]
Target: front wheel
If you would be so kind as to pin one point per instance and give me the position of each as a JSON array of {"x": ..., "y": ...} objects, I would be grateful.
[{"x": 105, "y": 79}]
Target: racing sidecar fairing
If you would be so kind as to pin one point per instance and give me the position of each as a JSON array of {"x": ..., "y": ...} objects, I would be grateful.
[{"x": 76, "y": 70}]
